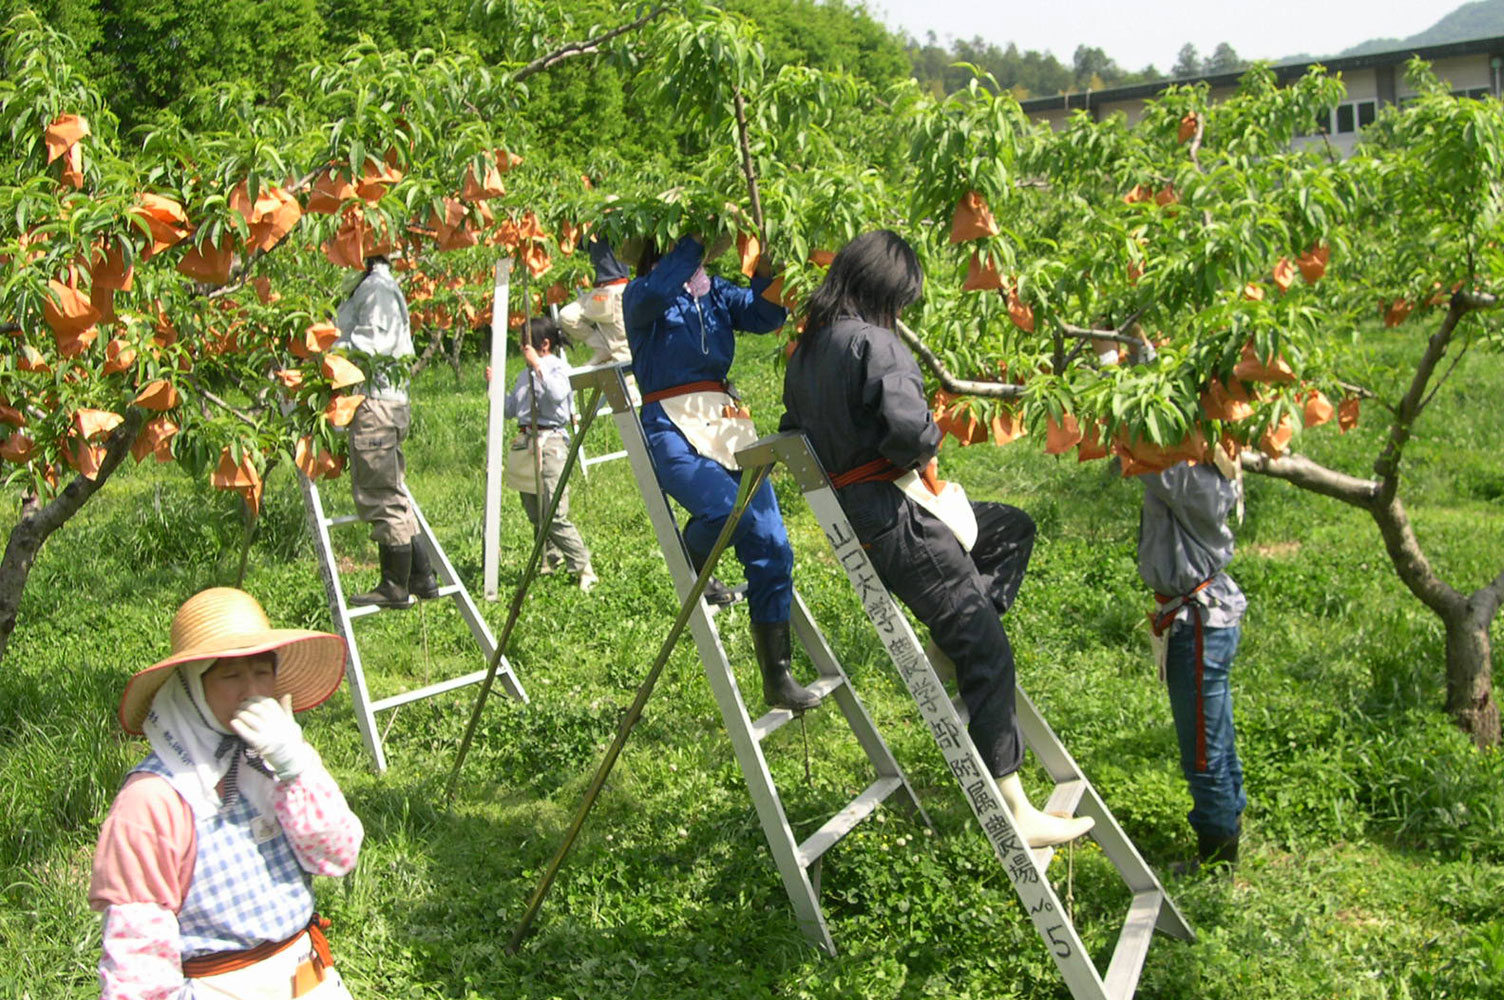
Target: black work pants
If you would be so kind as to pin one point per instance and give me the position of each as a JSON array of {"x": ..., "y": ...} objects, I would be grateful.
[{"x": 958, "y": 595}]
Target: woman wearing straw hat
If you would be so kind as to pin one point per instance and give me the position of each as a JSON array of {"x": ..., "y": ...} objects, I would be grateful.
[{"x": 205, "y": 861}]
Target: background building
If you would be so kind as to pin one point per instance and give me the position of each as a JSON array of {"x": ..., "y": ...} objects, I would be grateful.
[{"x": 1473, "y": 68}]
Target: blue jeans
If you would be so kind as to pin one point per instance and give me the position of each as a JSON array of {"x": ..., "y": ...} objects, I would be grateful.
[{"x": 1201, "y": 703}]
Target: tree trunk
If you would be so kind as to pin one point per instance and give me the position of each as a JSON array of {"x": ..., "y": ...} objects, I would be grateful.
[
  {"x": 38, "y": 522},
  {"x": 435, "y": 341},
  {"x": 1470, "y": 698},
  {"x": 1466, "y": 618}
]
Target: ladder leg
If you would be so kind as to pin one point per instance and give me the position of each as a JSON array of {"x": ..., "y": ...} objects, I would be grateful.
[{"x": 339, "y": 614}]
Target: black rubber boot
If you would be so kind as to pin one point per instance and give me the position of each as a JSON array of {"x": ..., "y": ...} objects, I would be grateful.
[
  {"x": 774, "y": 656},
  {"x": 1212, "y": 850},
  {"x": 421, "y": 581},
  {"x": 715, "y": 591},
  {"x": 391, "y": 592}
]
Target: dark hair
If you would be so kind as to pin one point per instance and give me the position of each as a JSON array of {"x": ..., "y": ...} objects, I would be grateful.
[
  {"x": 542, "y": 329},
  {"x": 649, "y": 257},
  {"x": 873, "y": 278}
]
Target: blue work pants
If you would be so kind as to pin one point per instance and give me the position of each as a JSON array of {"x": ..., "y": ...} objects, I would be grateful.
[
  {"x": 707, "y": 490},
  {"x": 1201, "y": 703}
]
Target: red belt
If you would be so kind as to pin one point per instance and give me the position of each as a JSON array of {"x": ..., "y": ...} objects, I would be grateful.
[
  {"x": 220, "y": 962},
  {"x": 879, "y": 470},
  {"x": 686, "y": 389},
  {"x": 1162, "y": 621},
  {"x": 613, "y": 281}
]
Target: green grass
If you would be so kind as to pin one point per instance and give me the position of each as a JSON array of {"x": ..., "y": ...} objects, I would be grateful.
[{"x": 1373, "y": 864}]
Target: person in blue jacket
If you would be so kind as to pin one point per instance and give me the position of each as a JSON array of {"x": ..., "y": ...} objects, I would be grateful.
[{"x": 681, "y": 327}]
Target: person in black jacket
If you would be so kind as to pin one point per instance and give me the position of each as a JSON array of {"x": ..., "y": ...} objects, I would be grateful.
[{"x": 855, "y": 391}]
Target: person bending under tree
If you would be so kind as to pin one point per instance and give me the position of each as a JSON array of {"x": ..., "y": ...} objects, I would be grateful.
[{"x": 1184, "y": 546}]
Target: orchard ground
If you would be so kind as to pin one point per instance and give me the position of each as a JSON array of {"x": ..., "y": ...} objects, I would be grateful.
[{"x": 1372, "y": 866}]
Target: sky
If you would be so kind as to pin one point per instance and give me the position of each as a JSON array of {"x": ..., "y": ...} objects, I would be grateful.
[{"x": 1135, "y": 34}]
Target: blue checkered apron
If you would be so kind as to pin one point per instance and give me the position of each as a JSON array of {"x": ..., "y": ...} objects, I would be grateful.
[{"x": 248, "y": 887}]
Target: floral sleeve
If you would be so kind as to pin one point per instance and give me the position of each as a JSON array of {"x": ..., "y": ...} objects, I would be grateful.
[
  {"x": 324, "y": 833},
  {"x": 140, "y": 959}
]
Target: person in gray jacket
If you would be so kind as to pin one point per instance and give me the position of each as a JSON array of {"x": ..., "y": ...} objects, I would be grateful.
[
  {"x": 373, "y": 320},
  {"x": 1184, "y": 547},
  {"x": 542, "y": 403}
]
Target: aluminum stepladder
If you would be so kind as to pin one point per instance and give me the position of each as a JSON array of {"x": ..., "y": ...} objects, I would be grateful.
[
  {"x": 798, "y": 862},
  {"x": 1151, "y": 908},
  {"x": 343, "y": 615}
]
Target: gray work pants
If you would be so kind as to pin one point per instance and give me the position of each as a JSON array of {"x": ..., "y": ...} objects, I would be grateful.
[
  {"x": 377, "y": 466},
  {"x": 563, "y": 543}
]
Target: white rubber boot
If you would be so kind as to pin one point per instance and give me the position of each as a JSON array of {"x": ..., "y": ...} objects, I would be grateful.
[{"x": 1039, "y": 829}]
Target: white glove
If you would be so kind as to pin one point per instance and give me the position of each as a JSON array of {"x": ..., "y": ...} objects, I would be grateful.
[{"x": 268, "y": 728}]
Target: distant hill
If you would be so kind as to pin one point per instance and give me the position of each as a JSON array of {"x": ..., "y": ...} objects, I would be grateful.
[{"x": 1480, "y": 19}]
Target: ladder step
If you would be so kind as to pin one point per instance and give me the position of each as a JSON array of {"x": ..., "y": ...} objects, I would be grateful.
[
  {"x": 842, "y": 822},
  {"x": 1066, "y": 797},
  {"x": 432, "y": 689},
  {"x": 360, "y": 611},
  {"x": 1133, "y": 944},
  {"x": 778, "y": 717},
  {"x": 332, "y": 522},
  {"x": 605, "y": 458}
]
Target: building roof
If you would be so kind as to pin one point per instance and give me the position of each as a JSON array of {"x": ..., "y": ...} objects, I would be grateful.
[{"x": 1284, "y": 72}]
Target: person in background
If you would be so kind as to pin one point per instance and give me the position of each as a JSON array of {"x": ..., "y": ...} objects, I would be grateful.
[
  {"x": 1184, "y": 547},
  {"x": 681, "y": 326},
  {"x": 595, "y": 317},
  {"x": 373, "y": 320},
  {"x": 542, "y": 403},
  {"x": 205, "y": 861},
  {"x": 854, "y": 390}
]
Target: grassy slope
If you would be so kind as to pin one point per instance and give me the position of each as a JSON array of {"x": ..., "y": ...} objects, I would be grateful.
[{"x": 1373, "y": 864}]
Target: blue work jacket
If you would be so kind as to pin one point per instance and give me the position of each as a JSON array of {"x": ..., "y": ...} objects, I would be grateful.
[{"x": 677, "y": 339}]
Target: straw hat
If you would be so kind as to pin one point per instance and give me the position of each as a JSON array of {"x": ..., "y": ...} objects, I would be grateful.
[{"x": 223, "y": 621}]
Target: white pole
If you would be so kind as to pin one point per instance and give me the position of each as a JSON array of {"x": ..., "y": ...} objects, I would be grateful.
[{"x": 496, "y": 394}]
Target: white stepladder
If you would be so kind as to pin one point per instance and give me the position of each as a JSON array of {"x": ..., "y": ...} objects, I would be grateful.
[
  {"x": 343, "y": 615},
  {"x": 798, "y": 862},
  {"x": 1151, "y": 909}
]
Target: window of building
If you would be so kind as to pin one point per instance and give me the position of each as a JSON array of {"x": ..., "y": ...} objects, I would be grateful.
[
  {"x": 1367, "y": 111},
  {"x": 1344, "y": 118}
]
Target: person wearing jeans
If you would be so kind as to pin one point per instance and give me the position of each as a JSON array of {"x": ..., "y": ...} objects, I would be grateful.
[{"x": 1184, "y": 548}]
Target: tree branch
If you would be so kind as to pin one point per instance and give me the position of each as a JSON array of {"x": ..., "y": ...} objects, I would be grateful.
[
  {"x": 1386, "y": 466},
  {"x": 1414, "y": 569},
  {"x": 951, "y": 384},
  {"x": 38, "y": 521},
  {"x": 747, "y": 168},
  {"x": 1491, "y": 596},
  {"x": 1082, "y": 333},
  {"x": 1308, "y": 475},
  {"x": 587, "y": 47},
  {"x": 223, "y": 405}
]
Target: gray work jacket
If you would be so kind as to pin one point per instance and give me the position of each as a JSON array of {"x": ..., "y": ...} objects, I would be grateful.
[
  {"x": 373, "y": 319},
  {"x": 1184, "y": 540}
]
